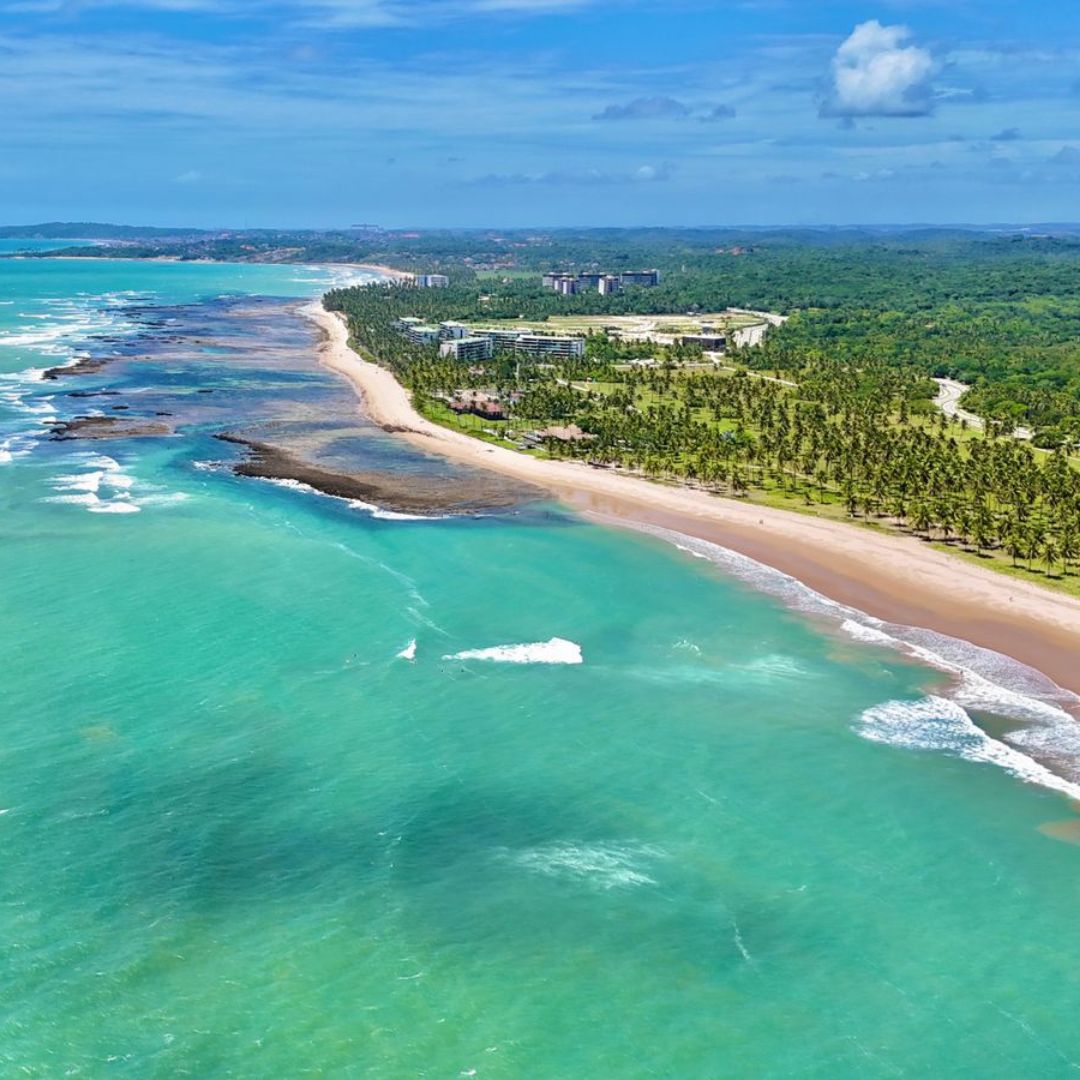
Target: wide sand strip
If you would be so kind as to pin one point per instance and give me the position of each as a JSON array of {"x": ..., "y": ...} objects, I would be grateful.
[{"x": 896, "y": 578}]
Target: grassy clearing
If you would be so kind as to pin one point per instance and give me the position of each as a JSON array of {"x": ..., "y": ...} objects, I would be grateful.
[{"x": 629, "y": 325}]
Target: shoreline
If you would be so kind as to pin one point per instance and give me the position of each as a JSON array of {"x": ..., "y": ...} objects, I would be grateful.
[
  {"x": 116, "y": 255},
  {"x": 386, "y": 271},
  {"x": 894, "y": 578}
]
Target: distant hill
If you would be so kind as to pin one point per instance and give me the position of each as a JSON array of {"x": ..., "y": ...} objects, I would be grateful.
[{"x": 90, "y": 230}]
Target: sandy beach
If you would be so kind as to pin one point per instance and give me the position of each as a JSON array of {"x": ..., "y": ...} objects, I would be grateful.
[
  {"x": 896, "y": 578},
  {"x": 386, "y": 271}
]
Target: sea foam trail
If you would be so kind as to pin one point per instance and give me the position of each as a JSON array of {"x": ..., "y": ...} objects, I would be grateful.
[
  {"x": 355, "y": 504},
  {"x": 555, "y": 651},
  {"x": 983, "y": 680},
  {"x": 56, "y": 335},
  {"x": 604, "y": 865},
  {"x": 936, "y": 723},
  {"x": 107, "y": 489}
]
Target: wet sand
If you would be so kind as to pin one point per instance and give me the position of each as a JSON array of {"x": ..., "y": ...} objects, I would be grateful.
[{"x": 892, "y": 577}]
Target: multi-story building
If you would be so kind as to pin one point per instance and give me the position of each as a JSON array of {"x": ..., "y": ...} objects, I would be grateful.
[
  {"x": 406, "y": 321},
  {"x": 450, "y": 330},
  {"x": 569, "y": 284},
  {"x": 422, "y": 335},
  {"x": 500, "y": 339},
  {"x": 608, "y": 284},
  {"x": 467, "y": 349},
  {"x": 542, "y": 345},
  {"x": 431, "y": 281},
  {"x": 640, "y": 277}
]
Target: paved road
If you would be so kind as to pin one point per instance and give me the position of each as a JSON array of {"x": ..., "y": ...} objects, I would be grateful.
[{"x": 950, "y": 391}]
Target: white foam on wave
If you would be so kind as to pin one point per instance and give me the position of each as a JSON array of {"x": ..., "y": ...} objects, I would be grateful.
[
  {"x": 409, "y": 652},
  {"x": 292, "y": 485},
  {"x": 982, "y": 680},
  {"x": 114, "y": 506},
  {"x": 555, "y": 651},
  {"x": 57, "y": 335},
  {"x": 107, "y": 488},
  {"x": 775, "y": 666},
  {"x": 355, "y": 504},
  {"x": 70, "y": 320},
  {"x": 604, "y": 866},
  {"x": 165, "y": 498},
  {"x": 17, "y": 445},
  {"x": 394, "y": 515},
  {"x": 937, "y": 723},
  {"x": 90, "y": 481}
]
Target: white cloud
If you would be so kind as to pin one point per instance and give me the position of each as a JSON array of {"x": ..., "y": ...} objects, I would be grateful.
[{"x": 876, "y": 73}]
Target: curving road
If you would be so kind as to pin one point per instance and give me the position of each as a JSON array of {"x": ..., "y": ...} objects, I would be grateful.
[{"x": 950, "y": 391}]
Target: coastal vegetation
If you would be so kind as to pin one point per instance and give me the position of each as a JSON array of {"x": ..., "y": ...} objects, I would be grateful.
[{"x": 839, "y": 432}]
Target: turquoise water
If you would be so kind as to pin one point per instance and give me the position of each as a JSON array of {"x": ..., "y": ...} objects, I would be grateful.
[{"x": 242, "y": 837}]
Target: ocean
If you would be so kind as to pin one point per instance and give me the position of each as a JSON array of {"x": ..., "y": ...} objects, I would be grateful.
[{"x": 298, "y": 785}]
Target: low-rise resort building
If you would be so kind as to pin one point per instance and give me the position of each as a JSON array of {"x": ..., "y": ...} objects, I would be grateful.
[
  {"x": 544, "y": 345},
  {"x": 467, "y": 349},
  {"x": 478, "y": 403},
  {"x": 461, "y": 342},
  {"x": 419, "y": 334}
]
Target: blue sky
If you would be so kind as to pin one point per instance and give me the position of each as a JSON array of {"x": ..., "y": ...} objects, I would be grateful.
[{"x": 540, "y": 112}]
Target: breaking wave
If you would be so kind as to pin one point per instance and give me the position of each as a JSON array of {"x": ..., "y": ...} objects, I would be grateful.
[
  {"x": 937, "y": 723},
  {"x": 555, "y": 651},
  {"x": 981, "y": 680},
  {"x": 59, "y": 336},
  {"x": 355, "y": 504},
  {"x": 104, "y": 487}
]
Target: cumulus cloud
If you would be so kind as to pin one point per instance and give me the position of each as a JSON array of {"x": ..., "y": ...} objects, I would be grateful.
[
  {"x": 875, "y": 72},
  {"x": 646, "y": 108}
]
